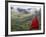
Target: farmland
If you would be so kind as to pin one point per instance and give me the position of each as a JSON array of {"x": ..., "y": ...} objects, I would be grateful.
[{"x": 20, "y": 21}]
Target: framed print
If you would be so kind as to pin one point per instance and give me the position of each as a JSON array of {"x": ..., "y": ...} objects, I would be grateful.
[{"x": 24, "y": 18}]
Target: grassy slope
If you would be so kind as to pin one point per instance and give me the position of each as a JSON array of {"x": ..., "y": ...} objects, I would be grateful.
[{"x": 20, "y": 21}]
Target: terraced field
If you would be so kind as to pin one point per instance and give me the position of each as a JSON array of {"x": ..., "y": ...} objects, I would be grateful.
[{"x": 20, "y": 22}]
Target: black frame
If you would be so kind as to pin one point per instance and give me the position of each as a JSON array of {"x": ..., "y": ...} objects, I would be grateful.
[{"x": 6, "y": 17}]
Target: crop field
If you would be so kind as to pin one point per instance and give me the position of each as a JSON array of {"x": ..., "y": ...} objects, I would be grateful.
[{"x": 20, "y": 22}]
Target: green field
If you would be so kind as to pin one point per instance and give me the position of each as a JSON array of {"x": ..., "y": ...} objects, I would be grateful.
[{"x": 20, "y": 22}]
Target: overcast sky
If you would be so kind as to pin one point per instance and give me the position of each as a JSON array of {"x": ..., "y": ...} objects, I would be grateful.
[{"x": 32, "y": 8}]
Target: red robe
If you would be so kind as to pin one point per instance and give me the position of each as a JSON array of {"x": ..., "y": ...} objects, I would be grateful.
[{"x": 35, "y": 23}]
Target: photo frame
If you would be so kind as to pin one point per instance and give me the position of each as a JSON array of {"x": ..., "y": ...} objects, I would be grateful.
[{"x": 24, "y": 18}]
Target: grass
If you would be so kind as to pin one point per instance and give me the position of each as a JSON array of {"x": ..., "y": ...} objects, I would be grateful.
[{"x": 20, "y": 22}]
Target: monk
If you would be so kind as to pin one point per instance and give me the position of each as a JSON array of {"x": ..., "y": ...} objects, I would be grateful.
[{"x": 35, "y": 24}]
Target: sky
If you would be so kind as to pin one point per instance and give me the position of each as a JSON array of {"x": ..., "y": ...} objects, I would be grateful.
[{"x": 32, "y": 8}]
